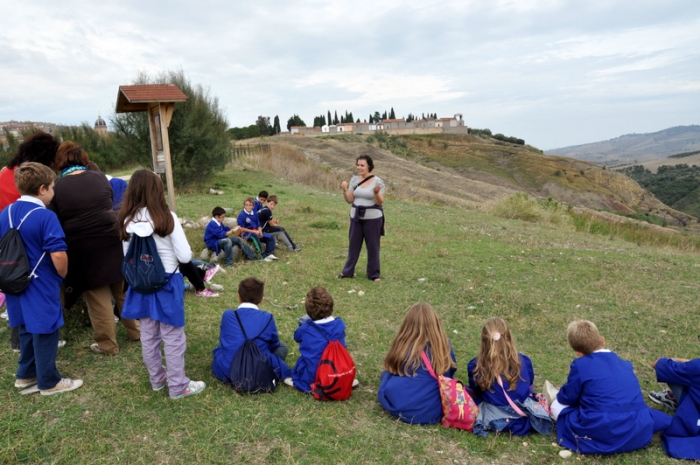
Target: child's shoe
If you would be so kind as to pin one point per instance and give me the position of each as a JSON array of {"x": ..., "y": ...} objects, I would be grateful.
[
  {"x": 550, "y": 392},
  {"x": 355, "y": 383},
  {"x": 195, "y": 387},
  {"x": 25, "y": 383},
  {"x": 288, "y": 381},
  {"x": 210, "y": 273},
  {"x": 216, "y": 287},
  {"x": 159, "y": 387},
  {"x": 664, "y": 398},
  {"x": 206, "y": 293},
  {"x": 65, "y": 385}
]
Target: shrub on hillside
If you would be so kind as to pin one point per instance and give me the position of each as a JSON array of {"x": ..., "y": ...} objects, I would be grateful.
[{"x": 521, "y": 207}]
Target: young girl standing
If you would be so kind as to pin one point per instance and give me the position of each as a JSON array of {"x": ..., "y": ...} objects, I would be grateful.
[
  {"x": 162, "y": 313},
  {"x": 407, "y": 390},
  {"x": 502, "y": 380}
]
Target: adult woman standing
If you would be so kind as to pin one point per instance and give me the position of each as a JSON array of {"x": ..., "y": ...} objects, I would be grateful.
[
  {"x": 83, "y": 203},
  {"x": 39, "y": 147},
  {"x": 366, "y": 195}
]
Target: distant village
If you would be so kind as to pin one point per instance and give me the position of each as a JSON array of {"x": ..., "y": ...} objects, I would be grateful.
[
  {"x": 17, "y": 128},
  {"x": 452, "y": 125}
]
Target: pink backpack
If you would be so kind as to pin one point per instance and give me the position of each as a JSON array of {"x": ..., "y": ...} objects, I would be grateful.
[{"x": 458, "y": 408}]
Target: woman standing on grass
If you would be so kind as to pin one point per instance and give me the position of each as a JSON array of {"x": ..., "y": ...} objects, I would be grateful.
[
  {"x": 83, "y": 204},
  {"x": 366, "y": 195}
]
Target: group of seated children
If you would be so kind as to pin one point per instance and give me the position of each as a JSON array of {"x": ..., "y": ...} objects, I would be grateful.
[
  {"x": 599, "y": 410},
  {"x": 313, "y": 334},
  {"x": 255, "y": 223}
]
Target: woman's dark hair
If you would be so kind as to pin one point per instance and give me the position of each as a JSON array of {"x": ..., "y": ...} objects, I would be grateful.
[
  {"x": 69, "y": 153},
  {"x": 368, "y": 159},
  {"x": 145, "y": 190},
  {"x": 39, "y": 147}
]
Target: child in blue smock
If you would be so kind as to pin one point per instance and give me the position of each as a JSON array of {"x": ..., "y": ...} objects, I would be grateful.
[
  {"x": 407, "y": 390},
  {"x": 681, "y": 439},
  {"x": 600, "y": 409},
  {"x": 218, "y": 236},
  {"x": 250, "y": 228},
  {"x": 37, "y": 310},
  {"x": 502, "y": 380},
  {"x": 259, "y": 326},
  {"x": 313, "y": 335}
]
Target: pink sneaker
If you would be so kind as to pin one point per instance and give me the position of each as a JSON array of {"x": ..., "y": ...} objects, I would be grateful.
[
  {"x": 210, "y": 273},
  {"x": 206, "y": 292}
]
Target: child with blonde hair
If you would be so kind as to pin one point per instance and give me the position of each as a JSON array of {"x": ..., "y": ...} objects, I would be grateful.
[
  {"x": 502, "y": 380},
  {"x": 407, "y": 390},
  {"x": 600, "y": 408}
]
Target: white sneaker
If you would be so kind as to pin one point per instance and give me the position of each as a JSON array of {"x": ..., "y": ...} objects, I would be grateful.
[
  {"x": 268, "y": 259},
  {"x": 195, "y": 387},
  {"x": 288, "y": 381},
  {"x": 272, "y": 257},
  {"x": 61, "y": 343},
  {"x": 550, "y": 392},
  {"x": 65, "y": 385},
  {"x": 3, "y": 315}
]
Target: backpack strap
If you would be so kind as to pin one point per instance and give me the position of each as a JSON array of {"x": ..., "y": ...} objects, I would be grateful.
[
  {"x": 9, "y": 216},
  {"x": 510, "y": 402},
  {"x": 428, "y": 366},
  {"x": 314, "y": 325},
  {"x": 235, "y": 312}
]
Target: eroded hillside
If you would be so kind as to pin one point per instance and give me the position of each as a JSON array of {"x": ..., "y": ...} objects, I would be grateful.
[{"x": 471, "y": 171}]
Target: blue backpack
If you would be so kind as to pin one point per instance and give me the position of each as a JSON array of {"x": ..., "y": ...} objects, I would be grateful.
[
  {"x": 250, "y": 371},
  {"x": 142, "y": 267}
]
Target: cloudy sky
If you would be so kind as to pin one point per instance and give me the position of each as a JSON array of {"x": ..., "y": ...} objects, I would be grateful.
[{"x": 553, "y": 72}]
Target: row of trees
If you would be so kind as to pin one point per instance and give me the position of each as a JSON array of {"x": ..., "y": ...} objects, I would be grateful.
[{"x": 669, "y": 184}]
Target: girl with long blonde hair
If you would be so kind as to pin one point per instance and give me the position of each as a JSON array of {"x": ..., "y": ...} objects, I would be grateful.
[
  {"x": 407, "y": 390},
  {"x": 503, "y": 382}
]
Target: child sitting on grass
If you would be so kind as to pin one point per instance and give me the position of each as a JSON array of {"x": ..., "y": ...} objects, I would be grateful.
[
  {"x": 313, "y": 335},
  {"x": 259, "y": 326},
  {"x": 502, "y": 380},
  {"x": 37, "y": 310},
  {"x": 407, "y": 390},
  {"x": 271, "y": 225},
  {"x": 681, "y": 439},
  {"x": 218, "y": 236},
  {"x": 600, "y": 409},
  {"x": 250, "y": 229}
]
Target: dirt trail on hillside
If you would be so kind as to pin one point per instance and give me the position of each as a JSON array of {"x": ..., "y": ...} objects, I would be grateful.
[{"x": 405, "y": 179}]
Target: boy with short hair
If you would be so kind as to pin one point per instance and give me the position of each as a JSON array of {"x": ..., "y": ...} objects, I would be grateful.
[
  {"x": 259, "y": 326},
  {"x": 271, "y": 225},
  {"x": 250, "y": 226},
  {"x": 37, "y": 310},
  {"x": 217, "y": 236},
  {"x": 259, "y": 201},
  {"x": 681, "y": 439},
  {"x": 313, "y": 335},
  {"x": 600, "y": 409}
]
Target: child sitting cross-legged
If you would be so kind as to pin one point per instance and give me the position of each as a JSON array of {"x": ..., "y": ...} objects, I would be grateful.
[
  {"x": 502, "y": 380},
  {"x": 259, "y": 325},
  {"x": 600, "y": 408},
  {"x": 218, "y": 236},
  {"x": 314, "y": 331}
]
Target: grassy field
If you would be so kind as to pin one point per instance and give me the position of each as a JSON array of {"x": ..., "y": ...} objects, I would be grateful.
[{"x": 469, "y": 265}]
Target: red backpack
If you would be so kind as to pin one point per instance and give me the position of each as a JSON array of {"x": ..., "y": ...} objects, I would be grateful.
[{"x": 335, "y": 372}]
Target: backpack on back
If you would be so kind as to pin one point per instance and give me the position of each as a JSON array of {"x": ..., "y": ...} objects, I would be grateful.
[
  {"x": 15, "y": 274},
  {"x": 335, "y": 372},
  {"x": 142, "y": 267},
  {"x": 250, "y": 371}
]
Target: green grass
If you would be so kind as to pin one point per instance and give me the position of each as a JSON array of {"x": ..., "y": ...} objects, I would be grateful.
[{"x": 538, "y": 276}]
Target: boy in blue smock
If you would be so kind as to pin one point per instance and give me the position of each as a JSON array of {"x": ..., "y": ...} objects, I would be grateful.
[
  {"x": 251, "y": 229},
  {"x": 681, "y": 439},
  {"x": 259, "y": 326},
  {"x": 600, "y": 409},
  {"x": 37, "y": 310},
  {"x": 259, "y": 201},
  {"x": 218, "y": 236},
  {"x": 313, "y": 334}
]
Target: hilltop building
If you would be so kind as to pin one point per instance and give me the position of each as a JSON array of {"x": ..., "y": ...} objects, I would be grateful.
[
  {"x": 453, "y": 125},
  {"x": 100, "y": 126}
]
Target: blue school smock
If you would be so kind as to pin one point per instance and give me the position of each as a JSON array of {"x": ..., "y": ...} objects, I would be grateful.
[
  {"x": 311, "y": 347},
  {"x": 606, "y": 413},
  {"x": 681, "y": 439},
  {"x": 118, "y": 188},
  {"x": 494, "y": 395},
  {"x": 251, "y": 221},
  {"x": 38, "y": 308},
  {"x": 214, "y": 232},
  {"x": 259, "y": 326},
  {"x": 413, "y": 399}
]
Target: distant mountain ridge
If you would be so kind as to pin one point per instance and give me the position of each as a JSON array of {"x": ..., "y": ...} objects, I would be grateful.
[{"x": 635, "y": 148}]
